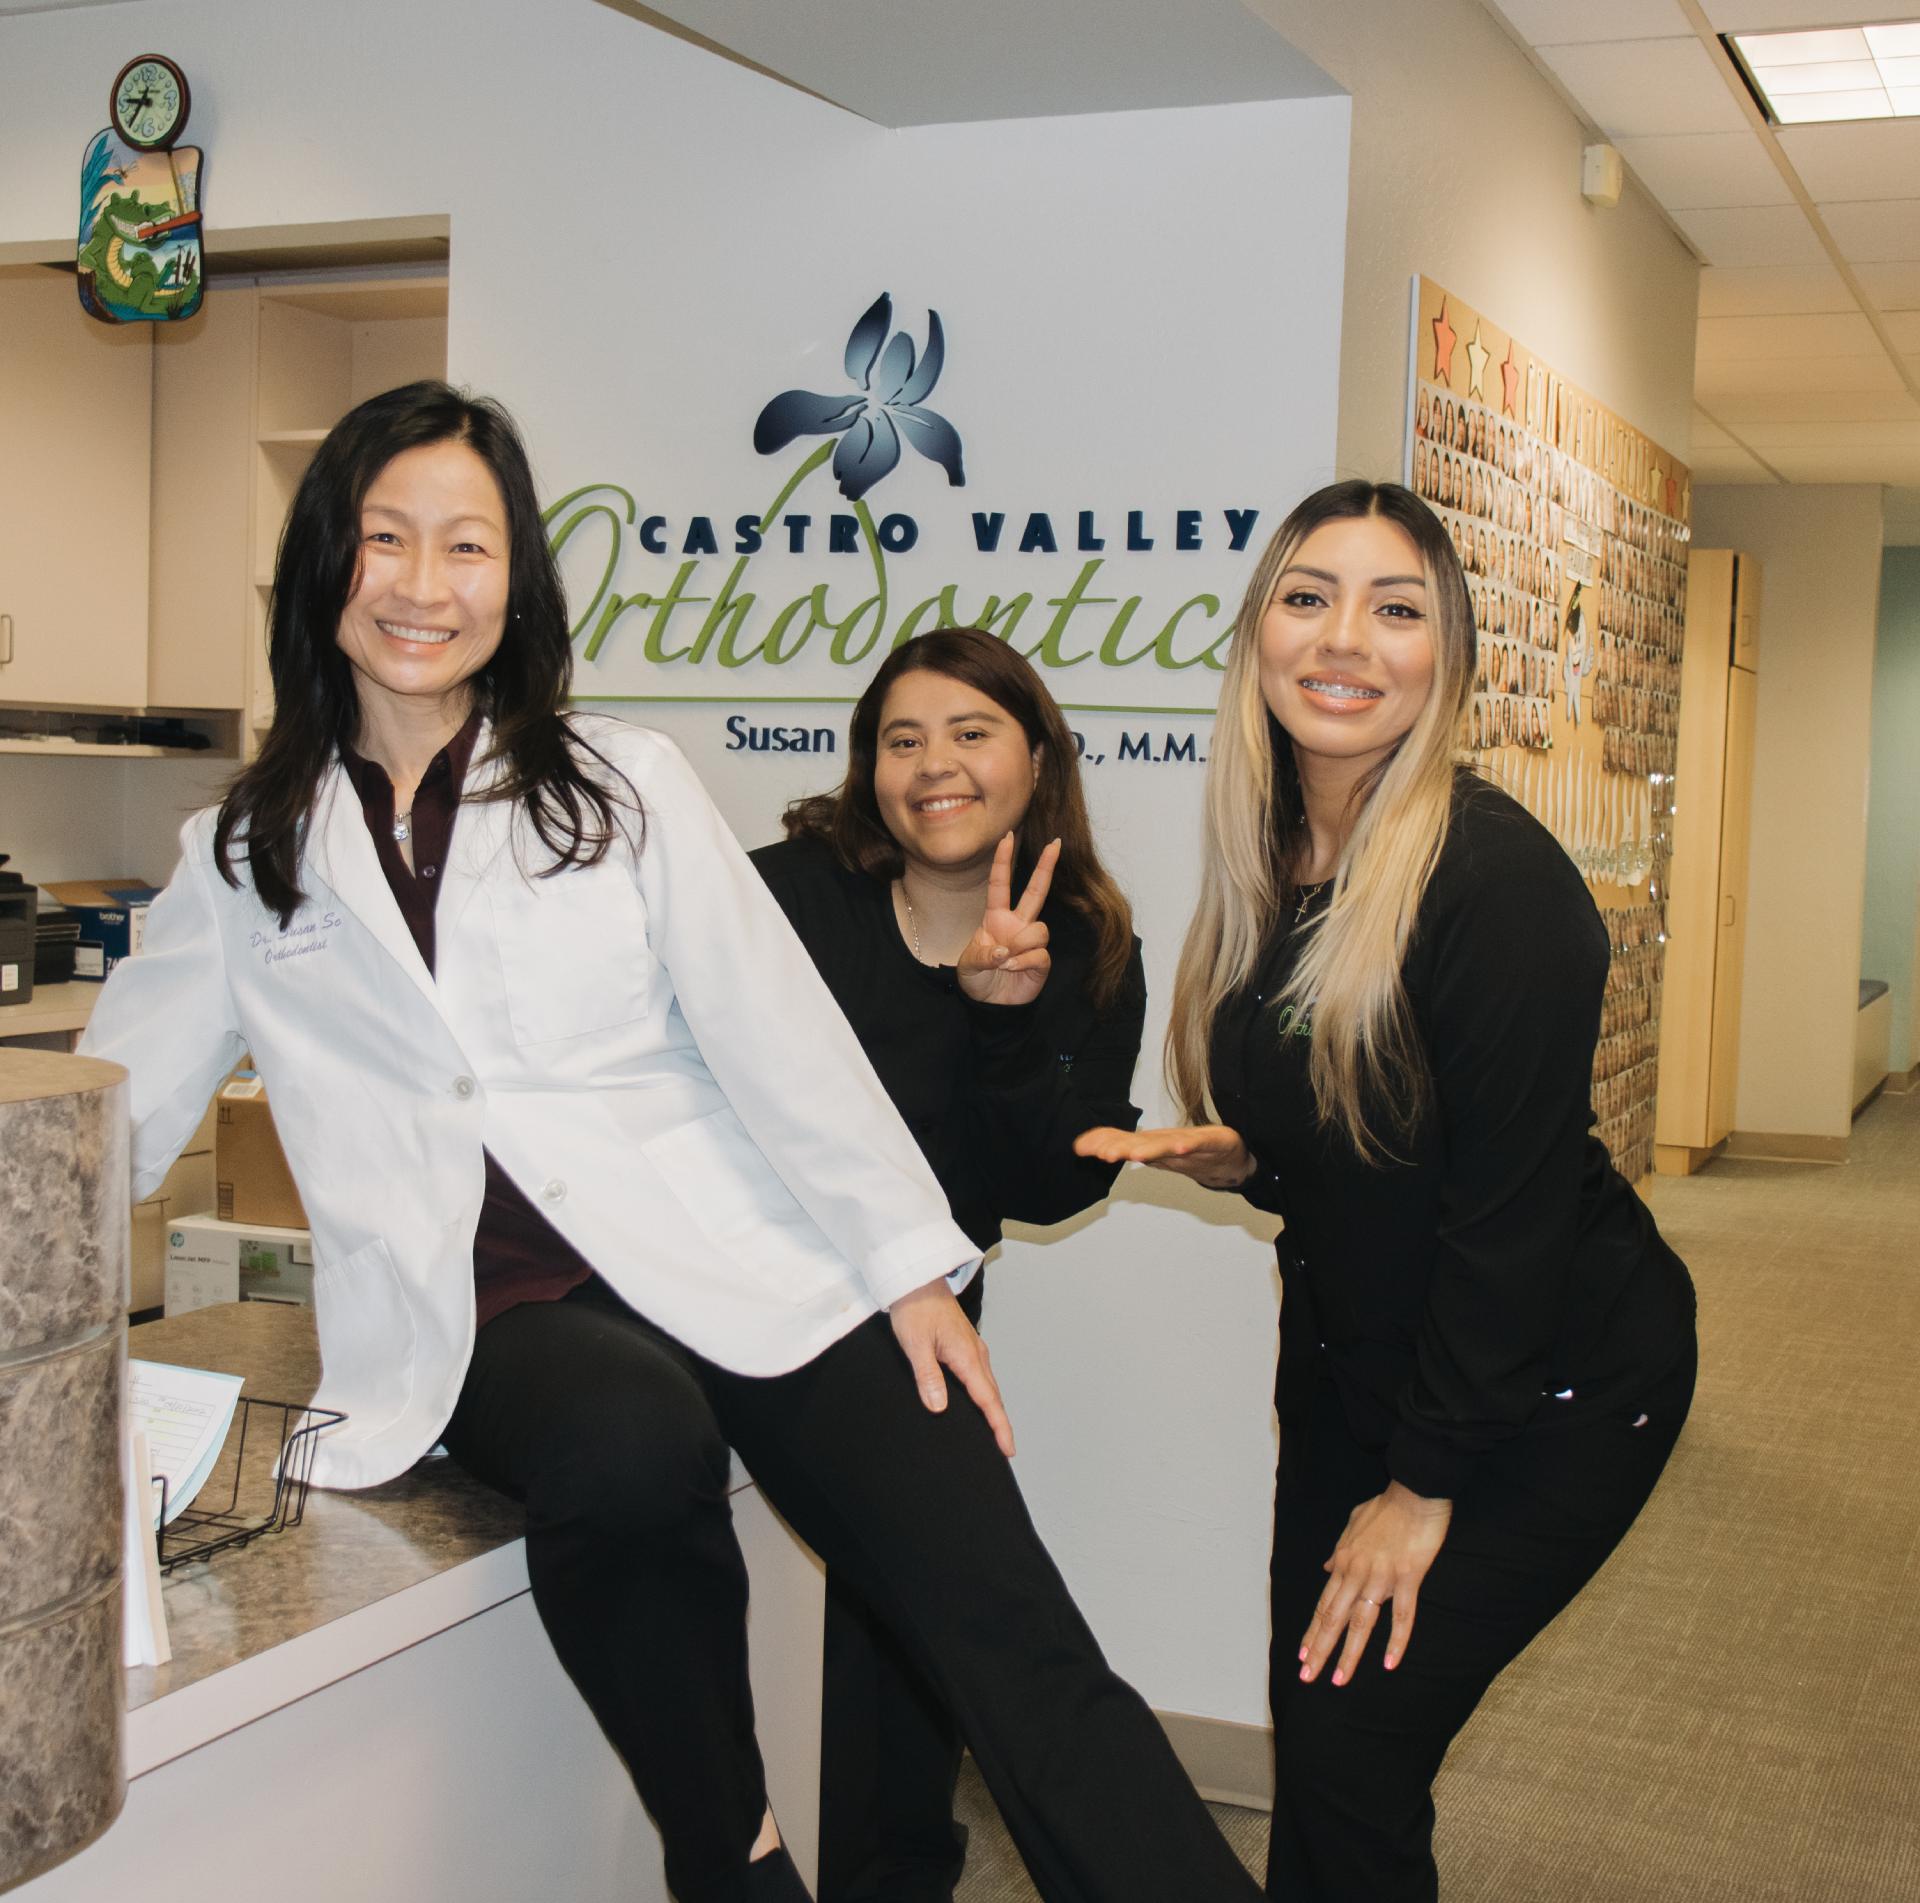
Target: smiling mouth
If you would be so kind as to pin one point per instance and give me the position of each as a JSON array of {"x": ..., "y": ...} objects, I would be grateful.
[
  {"x": 946, "y": 803},
  {"x": 420, "y": 637},
  {"x": 1341, "y": 690}
]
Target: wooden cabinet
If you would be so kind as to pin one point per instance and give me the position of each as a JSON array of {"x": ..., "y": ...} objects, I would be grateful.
[
  {"x": 1707, "y": 886},
  {"x": 146, "y": 471},
  {"x": 76, "y": 401}
]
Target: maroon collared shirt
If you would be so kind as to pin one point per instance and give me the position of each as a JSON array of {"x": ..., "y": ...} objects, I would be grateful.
[{"x": 518, "y": 1256}]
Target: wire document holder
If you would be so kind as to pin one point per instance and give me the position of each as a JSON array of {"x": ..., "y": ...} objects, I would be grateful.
[{"x": 271, "y": 1446}]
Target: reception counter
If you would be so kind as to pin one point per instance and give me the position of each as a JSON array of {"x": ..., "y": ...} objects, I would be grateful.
[{"x": 365, "y": 1705}]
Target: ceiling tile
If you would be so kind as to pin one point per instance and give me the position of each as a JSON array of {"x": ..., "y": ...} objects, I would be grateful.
[
  {"x": 1706, "y": 434},
  {"x": 1738, "y": 409},
  {"x": 1864, "y": 159},
  {"x": 1893, "y": 287},
  {"x": 1904, "y": 328},
  {"x": 1755, "y": 234},
  {"x": 1847, "y": 465},
  {"x": 1772, "y": 290},
  {"x": 1647, "y": 88},
  {"x": 1561, "y": 22},
  {"x": 1744, "y": 339},
  {"x": 1865, "y": 375},
  {"x": 1728, "y": 466},
  {"x": 1783, "y": 16},
  {"x": 1875, "y": 231},
  {"x": 1888, "y": 433},
  {"x": 1707, "y": 169}
]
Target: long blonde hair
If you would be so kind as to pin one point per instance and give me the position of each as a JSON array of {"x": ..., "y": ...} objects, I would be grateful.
[{"x": 1364, "y": 1051}]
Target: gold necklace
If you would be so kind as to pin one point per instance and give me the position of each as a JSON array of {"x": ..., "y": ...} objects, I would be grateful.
[
  {"x": 913, "y": 924},
  {"x": 1306, "y": 894}
]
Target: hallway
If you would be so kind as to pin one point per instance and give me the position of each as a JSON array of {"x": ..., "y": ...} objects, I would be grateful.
[{"x": 1731, "y": 1714}]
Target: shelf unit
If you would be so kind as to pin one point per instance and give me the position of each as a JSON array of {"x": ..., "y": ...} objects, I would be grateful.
[{"x": 323, "y": 346}]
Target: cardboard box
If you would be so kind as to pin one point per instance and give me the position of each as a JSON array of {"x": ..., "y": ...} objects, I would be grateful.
[
  {"x": 186, "y": 1190},
  {"x": 112, "y": 914},
  {"x": 251, "y": 1180},
  {"x": 212, "y": 1261}
]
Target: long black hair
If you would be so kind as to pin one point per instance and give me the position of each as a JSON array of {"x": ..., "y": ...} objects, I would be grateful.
[
  {"x": 849, "y": 821},
  {"x": 544, "y": 765}
]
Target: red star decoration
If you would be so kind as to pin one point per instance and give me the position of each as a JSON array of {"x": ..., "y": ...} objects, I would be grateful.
[
  {"x": 1444, "y": 338},
  {"x": 1509, "y": 380}
]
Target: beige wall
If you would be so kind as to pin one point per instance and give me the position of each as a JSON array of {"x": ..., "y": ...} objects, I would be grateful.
[
  {"x": 1466, "y": 166},
  {"x": 1820, "y": 553}
]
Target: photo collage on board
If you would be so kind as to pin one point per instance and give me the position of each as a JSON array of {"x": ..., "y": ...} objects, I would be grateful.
[{"x": 1572, "y": 529}]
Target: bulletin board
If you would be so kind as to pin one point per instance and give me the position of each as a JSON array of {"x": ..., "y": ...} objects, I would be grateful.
[{"x": 1573, "y": 530}]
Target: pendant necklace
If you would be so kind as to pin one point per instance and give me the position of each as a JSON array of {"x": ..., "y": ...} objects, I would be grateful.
[{"x": 1306, "y": 894}]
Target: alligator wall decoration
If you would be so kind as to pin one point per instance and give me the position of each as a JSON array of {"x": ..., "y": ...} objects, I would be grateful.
[{"x": 140, "y": 220}]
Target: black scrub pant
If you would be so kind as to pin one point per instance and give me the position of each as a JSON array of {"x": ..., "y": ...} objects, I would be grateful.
[
  {"x": 615, "y": 1436},
  {"x": 1354, "y": 1764},
  {"x": 889, "y": 1755}
]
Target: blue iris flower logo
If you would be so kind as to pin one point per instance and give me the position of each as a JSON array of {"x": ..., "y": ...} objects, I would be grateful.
[{"x": 889, "y": 403}]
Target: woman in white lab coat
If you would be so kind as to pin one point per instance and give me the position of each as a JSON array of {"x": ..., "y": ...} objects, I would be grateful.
[{"x": 599, "y": 1180}]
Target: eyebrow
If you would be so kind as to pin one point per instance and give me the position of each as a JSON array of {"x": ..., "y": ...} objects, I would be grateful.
[
  {"x": 1379, "y": 581},
  {"x": 981, "y": 718},
  {"x": 452, "y": 521}
]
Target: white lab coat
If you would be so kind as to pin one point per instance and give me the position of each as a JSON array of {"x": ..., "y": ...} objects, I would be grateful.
[{"x": 644, "y": 1046}]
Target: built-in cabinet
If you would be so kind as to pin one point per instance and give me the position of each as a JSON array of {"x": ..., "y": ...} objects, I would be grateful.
[
  {"x": 1707, "y": 886},
  {"x": 146, "y": 471},
  {"x": 76, "y": 418}
]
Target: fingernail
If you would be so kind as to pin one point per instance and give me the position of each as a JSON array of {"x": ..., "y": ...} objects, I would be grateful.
[
  {"x": 1339, "y": 1677},
  {"x": 1306, "y": 1675},
  {"x": 933, "y": 1398},
  {"x": 1303, "y": 1655}
]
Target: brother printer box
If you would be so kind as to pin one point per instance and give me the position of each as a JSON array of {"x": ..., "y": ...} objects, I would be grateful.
[{"x": 112, "y": 915}]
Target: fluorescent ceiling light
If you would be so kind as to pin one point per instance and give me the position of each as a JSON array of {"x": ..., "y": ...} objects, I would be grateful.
[{"x": 1857, "y": 72}]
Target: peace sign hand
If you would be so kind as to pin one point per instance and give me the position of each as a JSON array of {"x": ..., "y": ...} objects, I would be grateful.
[{"x": 1006, "y": 961}]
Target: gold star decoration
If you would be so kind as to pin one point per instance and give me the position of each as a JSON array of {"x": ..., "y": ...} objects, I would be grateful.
[
  {"x": 1509, "y": 380},
  {"x": 1478, "y": 357}
]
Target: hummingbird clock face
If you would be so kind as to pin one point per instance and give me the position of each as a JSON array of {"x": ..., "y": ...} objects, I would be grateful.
[{"x": 150, "y": 102}]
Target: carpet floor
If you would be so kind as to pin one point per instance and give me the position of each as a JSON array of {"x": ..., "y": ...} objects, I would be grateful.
[{"x": 1731, "y": 1712}]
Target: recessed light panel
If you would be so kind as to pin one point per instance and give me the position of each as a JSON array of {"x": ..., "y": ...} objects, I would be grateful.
[{"x": 1858, "y": 72}]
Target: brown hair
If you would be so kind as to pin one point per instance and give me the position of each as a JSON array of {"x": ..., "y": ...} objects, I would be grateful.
[{"x": 848, "y": 819}]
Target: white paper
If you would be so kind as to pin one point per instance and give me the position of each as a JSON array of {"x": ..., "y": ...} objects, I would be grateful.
[
  {"x": 143, "y": 1613},
  {"x": 185, "y": 1414}
]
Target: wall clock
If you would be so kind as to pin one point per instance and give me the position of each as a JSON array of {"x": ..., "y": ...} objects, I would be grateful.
[
  {"x": 150, "y": 102},
  {"x": 140, "y": 205}
]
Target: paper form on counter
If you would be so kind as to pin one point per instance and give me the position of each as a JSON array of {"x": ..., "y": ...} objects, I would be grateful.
[{"x": 185, "y": 1414}]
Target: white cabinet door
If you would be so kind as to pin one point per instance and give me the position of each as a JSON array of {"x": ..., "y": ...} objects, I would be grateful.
[{"x": 76, "y": 429}]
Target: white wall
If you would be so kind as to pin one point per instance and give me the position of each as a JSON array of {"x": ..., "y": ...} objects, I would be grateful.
[
  {"x": 1819, "y": 549},
  {"x": 1466, "y": 165},
  {"x": 648, "y": 243}
]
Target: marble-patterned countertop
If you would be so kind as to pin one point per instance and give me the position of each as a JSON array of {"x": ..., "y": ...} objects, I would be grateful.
[{"x": 351, "y": 1551}]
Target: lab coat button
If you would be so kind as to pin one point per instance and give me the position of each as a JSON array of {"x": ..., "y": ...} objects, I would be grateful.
[
  {"x": 554, "y": 1190},
  {"x": 463, "y": 1088}
]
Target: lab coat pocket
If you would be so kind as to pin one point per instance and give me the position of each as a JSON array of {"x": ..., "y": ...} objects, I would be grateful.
[
  {"x": 573, "y": 949},
  {"x": 366, "y": 1336},
  {"x": 736, "y": 1199}
]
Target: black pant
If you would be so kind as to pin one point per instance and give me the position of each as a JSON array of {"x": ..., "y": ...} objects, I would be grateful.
[
  {"x": 889, "y": 1755},
  {"x": 1354, "y": 1764},
  {"x": 615, "y": 1435}
]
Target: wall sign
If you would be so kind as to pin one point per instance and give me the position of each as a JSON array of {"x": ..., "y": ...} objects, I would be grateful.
[
  {"x": 1062, "y": 578},
  {"x": 140, "y": 196}
]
